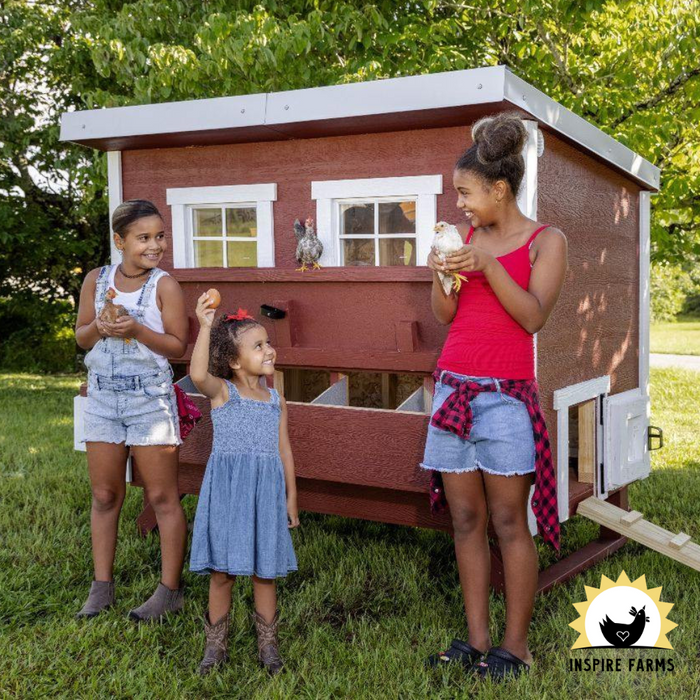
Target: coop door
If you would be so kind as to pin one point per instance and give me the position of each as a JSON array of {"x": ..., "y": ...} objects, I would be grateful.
[{"x": 626, "y": 452}]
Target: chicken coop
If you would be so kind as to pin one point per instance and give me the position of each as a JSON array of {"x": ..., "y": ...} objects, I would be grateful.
[{"x": 371, "y": 163}]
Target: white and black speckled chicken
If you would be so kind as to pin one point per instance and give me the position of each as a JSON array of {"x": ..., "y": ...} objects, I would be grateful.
[
  {"x": 309, "y": 248},
  {"x": 448, "y": 240}
]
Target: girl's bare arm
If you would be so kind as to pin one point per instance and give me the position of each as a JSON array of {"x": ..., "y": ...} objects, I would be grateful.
[
  {"x": 209, "y": 385},
  {"x": 87, "y": 331},
  {"x": 288, "y": 463},
  {"x": 531, "y": 308}
]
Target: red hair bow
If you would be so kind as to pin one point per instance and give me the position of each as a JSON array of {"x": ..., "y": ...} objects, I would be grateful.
[{"x": 240, "y": 315}]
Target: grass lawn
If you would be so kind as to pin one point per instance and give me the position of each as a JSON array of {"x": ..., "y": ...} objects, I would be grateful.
[
  {"x": 368, "y": 604},
  {"x": 681, "y": 337}
]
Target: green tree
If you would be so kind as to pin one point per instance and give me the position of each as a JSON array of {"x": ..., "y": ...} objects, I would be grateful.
[{"x": 629, "y": 66}]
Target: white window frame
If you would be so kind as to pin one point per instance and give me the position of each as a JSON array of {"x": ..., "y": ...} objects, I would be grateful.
[
  {"x": 183, "y": 199},
  {"x": 330, "y": 193},
  {"x": 376, "y": 236}
]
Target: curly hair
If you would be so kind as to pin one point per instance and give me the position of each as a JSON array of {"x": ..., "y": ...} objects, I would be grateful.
[
  {"x": 223, "y": 349},
  {"x": 496, "y": 153}
]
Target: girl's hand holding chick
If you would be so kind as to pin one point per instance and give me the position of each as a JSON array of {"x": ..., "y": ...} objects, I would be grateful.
[
  {"x": 205, "y": 314},
  {"x": 468, "y": 258},
  {"x": 124, "y": 327}
]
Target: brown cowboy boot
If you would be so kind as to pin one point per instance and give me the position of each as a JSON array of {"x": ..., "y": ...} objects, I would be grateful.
[
  {"x": 101, "y": 598},
  {"x": 164, "y": 600},
  {"x": 216, "y": 650},
  {"x": 268, "y": 652}
]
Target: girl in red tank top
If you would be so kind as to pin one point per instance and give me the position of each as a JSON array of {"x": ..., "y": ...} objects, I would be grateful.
[{"x": 487, "y": 436}]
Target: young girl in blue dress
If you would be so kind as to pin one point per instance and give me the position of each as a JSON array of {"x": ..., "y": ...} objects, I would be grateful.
[{"x": 248, "y": 499}]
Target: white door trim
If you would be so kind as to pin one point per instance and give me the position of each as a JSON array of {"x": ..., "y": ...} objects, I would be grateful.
[
  {"x": 563, "y": 399},
  {"x": 644, "y": 288},
  {"x": 115, "y": 196}
]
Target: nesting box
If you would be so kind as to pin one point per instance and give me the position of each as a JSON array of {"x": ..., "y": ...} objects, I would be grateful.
[{"x": 372, "y": 164}]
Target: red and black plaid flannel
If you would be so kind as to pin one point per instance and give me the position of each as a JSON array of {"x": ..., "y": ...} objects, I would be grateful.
[{"x": 455, "y": 415}]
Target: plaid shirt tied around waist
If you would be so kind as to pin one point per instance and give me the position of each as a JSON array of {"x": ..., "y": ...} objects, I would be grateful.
[{"x": 455, "y": 415}]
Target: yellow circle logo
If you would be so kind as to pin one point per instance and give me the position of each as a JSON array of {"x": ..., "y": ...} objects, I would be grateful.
[{"x": 623, "y": 614}]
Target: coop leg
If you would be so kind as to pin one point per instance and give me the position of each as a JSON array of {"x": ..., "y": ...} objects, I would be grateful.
[
  {"x": 608, "y": 541},
  {"x": 498, "y": 576},
  {"x": 147, "y": 518}
]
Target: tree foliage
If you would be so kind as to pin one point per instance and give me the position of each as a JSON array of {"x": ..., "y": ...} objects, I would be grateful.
[{"x": 629, "y": 66}]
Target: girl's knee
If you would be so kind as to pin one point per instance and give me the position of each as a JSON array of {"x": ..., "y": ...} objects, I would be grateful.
[
  {"x": 164, "y": 502},
  {"x": 105, "y": 499},
  {"x": 510, "y": 524},
  {"x": 467, "y": 520}
]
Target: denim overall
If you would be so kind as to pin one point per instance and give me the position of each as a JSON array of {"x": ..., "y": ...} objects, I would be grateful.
[{"x": 130, "y": 396}]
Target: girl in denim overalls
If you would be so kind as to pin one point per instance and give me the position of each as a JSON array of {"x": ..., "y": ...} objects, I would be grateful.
[{"x": 131, "y": 401}]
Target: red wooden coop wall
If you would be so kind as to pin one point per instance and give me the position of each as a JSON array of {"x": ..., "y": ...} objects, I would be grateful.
[
  {"x": 293, "y": 165},
  {"x": 594, "y": 328},
  {"x": 342, "y": 322}
]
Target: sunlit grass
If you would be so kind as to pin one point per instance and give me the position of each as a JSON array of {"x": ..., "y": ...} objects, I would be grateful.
[
  {"x": 368, "y": 604},
  {"x": 681, "y": 337}
]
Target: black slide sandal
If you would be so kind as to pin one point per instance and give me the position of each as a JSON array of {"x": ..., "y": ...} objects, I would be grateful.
[
  {"x": 459, "y": 651},
  {"x": 500, "y": 664}
]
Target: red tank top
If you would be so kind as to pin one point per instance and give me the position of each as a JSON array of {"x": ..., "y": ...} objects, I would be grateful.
[{"x": 484, "y": 339}]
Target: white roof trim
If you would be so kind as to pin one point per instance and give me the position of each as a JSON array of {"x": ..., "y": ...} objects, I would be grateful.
[
  {"x": 412, "y": 93},
  {"x": 394, "y": 95}
]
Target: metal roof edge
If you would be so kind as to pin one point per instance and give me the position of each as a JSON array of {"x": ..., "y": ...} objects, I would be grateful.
[
  {"x": 491, "y": 84},
  {"x": 577, "y": 129}
]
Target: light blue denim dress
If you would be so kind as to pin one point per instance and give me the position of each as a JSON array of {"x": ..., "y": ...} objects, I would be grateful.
[
  {"x": 241, "y": 522},
  {"x": 131, "y": 399}
]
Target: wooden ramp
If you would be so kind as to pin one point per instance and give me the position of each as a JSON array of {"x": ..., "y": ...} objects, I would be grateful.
[{"x": 631, "y": 524}]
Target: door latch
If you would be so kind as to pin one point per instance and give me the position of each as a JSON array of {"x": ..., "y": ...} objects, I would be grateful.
[{"x": 654, "y": 433}]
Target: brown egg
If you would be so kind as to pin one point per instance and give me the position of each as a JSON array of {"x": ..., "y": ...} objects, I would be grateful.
[{"x": 214, "y": 298}]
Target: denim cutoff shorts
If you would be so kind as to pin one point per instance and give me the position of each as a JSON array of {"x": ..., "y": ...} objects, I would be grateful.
[
  {"x": 136, "y": 410},
  {"x": 501, "y": 440}
]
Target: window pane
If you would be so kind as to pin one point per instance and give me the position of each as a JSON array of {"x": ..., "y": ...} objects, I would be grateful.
[
  {"x": 208, "y": 254},
  {"x": 397, "y": 217},
  {"x": 358, "y": 252},
  {"x": 207, "y": 222},
  {"x": 242, "y": 254},
  {"x": 397, "y": 251},
  {"x": 356, "y": 218},
  {"x": 241, "y": 222}
]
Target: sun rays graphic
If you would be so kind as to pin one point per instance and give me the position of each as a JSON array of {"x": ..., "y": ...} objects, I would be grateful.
[{"x": 598, "y": 598}]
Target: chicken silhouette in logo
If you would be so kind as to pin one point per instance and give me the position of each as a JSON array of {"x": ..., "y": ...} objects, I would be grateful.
[{"x": 620, "y": 635}]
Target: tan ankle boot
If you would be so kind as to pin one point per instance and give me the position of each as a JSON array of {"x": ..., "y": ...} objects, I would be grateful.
[
  {"x": 165, "y": 600},
  {"x": 216, "y": 650},
  {"x": 268, "y": 651},
  {"x": 101, "y": 598}
]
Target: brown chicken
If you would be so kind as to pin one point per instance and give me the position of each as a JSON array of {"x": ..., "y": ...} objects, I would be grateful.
[{"x": 111, "y": 312}]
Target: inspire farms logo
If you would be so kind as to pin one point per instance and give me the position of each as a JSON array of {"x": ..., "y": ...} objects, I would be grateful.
[{"x": 623, "y": 614}]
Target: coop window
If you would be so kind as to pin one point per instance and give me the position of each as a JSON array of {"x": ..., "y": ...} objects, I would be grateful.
[
  {"x": 377, "y": 232},
  {"x": 377, "y": 221},
  {"x": 223, "y": 226}
]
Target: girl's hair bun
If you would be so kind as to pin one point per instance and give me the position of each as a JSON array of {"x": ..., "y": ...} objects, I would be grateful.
[
  {"x": 497, "y": 151},
  {"x": 498, "y": 137}
]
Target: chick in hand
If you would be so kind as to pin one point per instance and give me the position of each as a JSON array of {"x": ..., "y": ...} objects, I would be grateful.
[
  {"x": 111, "y": 311},
  {"x": 447, "y": 240}
]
